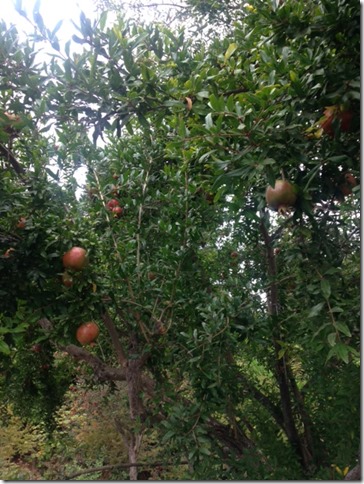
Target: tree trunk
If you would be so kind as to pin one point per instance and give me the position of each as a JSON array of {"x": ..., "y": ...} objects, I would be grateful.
[
  {"x": 281, "y": 366},
  {"x": 133, "y": 457},
  {"x": 136, "y": 407}
]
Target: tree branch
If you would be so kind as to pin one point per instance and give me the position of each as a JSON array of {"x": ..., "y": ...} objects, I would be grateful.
[
  {"x": 9, "y": 156},
  {"x": 120, "y": 353},
  {"x": 280, "y": 360},
  {"x": 125, "y": 466},
  {"x": 102, "y": 371},
  {"x": 274, "y": 411}
]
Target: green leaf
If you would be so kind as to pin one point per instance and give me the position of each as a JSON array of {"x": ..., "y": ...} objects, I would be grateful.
[
  {"x": 281, "y": 353},
  {"x": 103, "y": 18},
  {"x": 4, "y": 348},
  {"x": 293, "y": 76},
  {"x": 181, "y": 129},
  {"x": 202, "y": 95},
  {"x": 342, "y": 327},
  {"x": 325, "y": 288},
  {"x": 168, "y": 435},
  {"x": 19, "y": 8},
  {"x": 36, "y": 7},
  {"x": 143, "y": 121},
  {"x": 217, "y": 103},
  {"x": 56, "y": 28},
  {"x": 338, "y": 159},
  {"x": 331, "y": 339},
  {"x": 315, "y": 310},
  {"x": 230, "y": 51},
  {"x": 128, "y": 61},
  {"x": 208, "y": 121},
  {"x": 342, "y": 352},
  {"x": 271, "y": 176},
  {"x": 336, "y": 309},
  {"x": 55, "y": 45},
  {"x": 38, "y": 19},
  {"x": 204, "y": 451},
  {"x": 320, "y": 329}
]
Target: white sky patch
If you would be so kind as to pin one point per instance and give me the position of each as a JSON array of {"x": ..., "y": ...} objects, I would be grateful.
[{"x": 52, "y": 11}]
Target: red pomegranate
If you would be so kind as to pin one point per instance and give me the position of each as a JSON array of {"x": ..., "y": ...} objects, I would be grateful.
[
  {"x": 87, "y": 333},
  {"x": 333, "y": 113},
  {"x": 111, "y": 204},
  {"x": 76, "y": 259}
]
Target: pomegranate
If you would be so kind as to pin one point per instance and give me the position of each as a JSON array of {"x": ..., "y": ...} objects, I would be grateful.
[
  {"x": 21, "y": 223},
  {"x": 346, "y": 188},
  {"x": 76, "y": 259},
  {"x": 111, "y": 204},
  {"x": 67, "y": 279},
  {"x": 332, "y": 113},
  {"x": 282, "y": 196},
  {"x": 117, "y": 211},
  {"x": 87, "y": 333}
]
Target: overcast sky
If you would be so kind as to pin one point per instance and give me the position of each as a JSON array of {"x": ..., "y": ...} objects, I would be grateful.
[{"x": 52, "y": 11}]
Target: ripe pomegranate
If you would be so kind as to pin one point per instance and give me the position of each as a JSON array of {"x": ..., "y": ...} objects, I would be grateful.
[
  {"x": 76, "y": 259},
  {"x": 67, "y": 279},
  {"x": 332, "y": 113},
  {"x": 21, "y": 223},
  {"x": 117, "y": 211},
  {"x": 346, "y": 188},
  {"x": 282, "y": 196},
  {"x": 87, "y": 333},
  {"x": 112, "y": 204},
  {"x": 36, "y": 348}
]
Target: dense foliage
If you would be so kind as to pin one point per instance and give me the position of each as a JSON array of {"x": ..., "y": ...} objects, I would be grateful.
[{"x": 230, "y": 331}]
